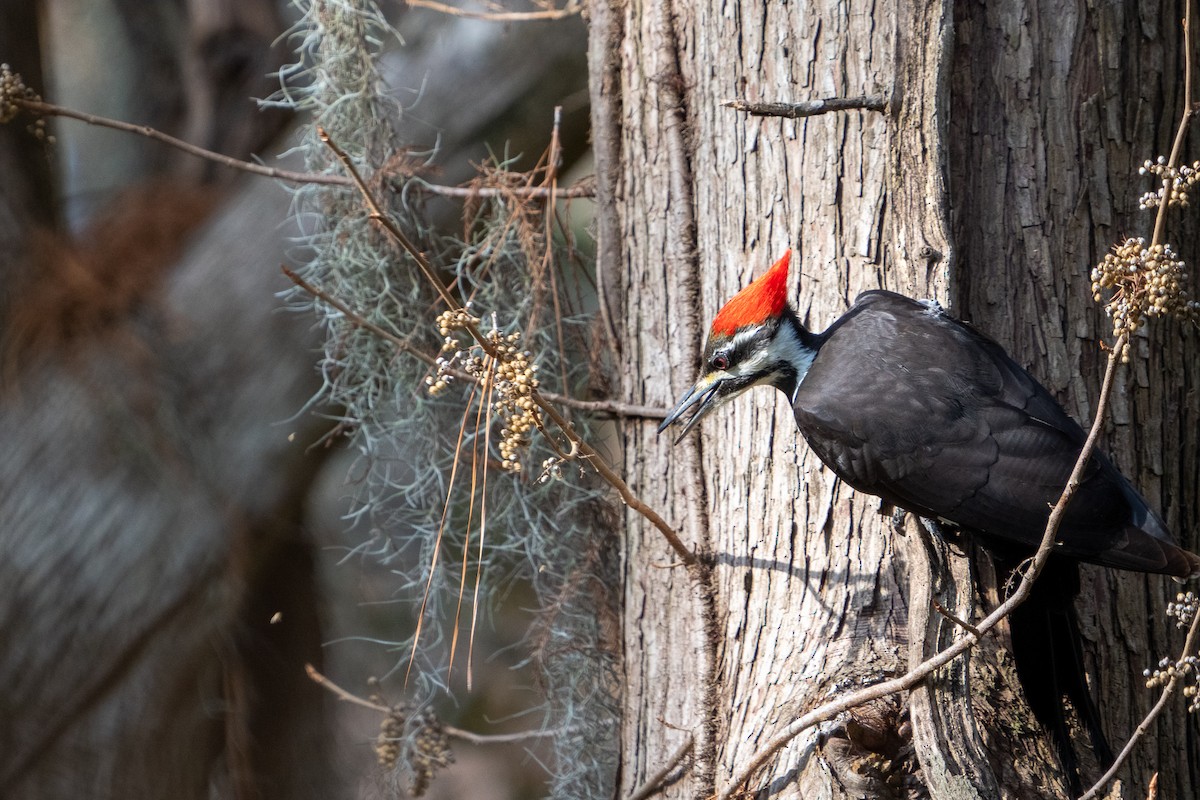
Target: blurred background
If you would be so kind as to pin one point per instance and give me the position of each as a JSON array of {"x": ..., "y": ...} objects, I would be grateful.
[{"x": 174, "y": 541}]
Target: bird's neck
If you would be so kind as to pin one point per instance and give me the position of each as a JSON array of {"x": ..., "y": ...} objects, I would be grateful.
[{"x": 794, "y": 347}]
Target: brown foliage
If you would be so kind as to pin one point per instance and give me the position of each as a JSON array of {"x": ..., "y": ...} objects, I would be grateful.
[{"x": 78, "y": 288}]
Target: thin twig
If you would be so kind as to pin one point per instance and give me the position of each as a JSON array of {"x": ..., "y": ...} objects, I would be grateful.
[
  {"x": 551, "y": 182},
  {"x": 587, "y": 452},
  {"x": 918, "y": 673},
  {"x": 809, "y": 108},
  {"x": 1189, "y": 648},
  {"x": 945, "y": 612},
  {"x": 351, "y": 315},
  {"x": 51, "y": 110},
  {"x": 1181, "y": 133},
  {"x": 569, "y": 10},
  {"x": 613, "y": 407},
  {"x": 654, "y": 784},
  {"x": 343, "y": 694},
  {"x": 384, "y": 221},
  {"x": 606, "y": 472},
  {"x": 449, "y": 730}
]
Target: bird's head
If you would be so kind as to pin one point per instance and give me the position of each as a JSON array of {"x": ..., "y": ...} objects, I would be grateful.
[{"x": 754, "y": 339}]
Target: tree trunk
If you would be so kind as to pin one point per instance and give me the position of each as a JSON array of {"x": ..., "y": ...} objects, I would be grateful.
[
  {"x": 808, "y": 592},
  {"x": 1057, "y": 106}
]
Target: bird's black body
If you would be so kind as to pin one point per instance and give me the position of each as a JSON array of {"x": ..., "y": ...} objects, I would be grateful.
[{"x": 906, "y": 403}]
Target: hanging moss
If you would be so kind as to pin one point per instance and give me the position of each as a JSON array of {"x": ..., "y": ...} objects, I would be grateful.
[{"x": 548, "y": 525}]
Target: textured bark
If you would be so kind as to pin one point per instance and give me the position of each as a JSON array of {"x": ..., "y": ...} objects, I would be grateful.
[
  {"x": 1056, "y": 107},
  {"x": 707, "y": 198},
  {"x": 951, "y": 193}
]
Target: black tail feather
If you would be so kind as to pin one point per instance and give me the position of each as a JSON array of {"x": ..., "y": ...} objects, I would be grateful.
[{"x": 1048, "y": 652}]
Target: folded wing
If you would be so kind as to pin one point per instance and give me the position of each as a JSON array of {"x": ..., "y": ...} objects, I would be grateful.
[{"x": 906, "y": 403}]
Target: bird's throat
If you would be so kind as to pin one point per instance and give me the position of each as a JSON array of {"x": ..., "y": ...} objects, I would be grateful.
[{"x": 794, "y": 350}]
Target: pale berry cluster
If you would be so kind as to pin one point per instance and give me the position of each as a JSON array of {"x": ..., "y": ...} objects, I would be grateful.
[
  {"x": 1183, "y": 608},
  {"x": 431, "y": 748},
  {"x": 12, "y": 91},
  {"x": 1146, "y": 281},
  {"x": 551, "y": 470},
  {"x": 431, "y": 752},
  {"x": 387, "y": 744},
  {"x": 12, "y": 88},
  {"x": 1177, "y": 181},
  {"x": 515, "y": 378},
  {"x": 449, "y": 322},
  {"x": 508, "y": 378},
  {"x": 1168, "y": 670},
  {"x": 455, "y": 319}
]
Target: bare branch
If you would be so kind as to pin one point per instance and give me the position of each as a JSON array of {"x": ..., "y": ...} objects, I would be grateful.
[
  {"x": 809, "y": 108},
  {"x": 342, "y": 694},
  {"x": 614, "y": 407},
  {"x": 41, "y": 107},
  {"x": 945, "y": 612},
  {"x": 582, "y": 188},
  {"x": 49, "y": 109},
  {"x": 449, "y": 730},
  {"x": 569, "y": 10},
  {"x": 1189, "y": 648}
]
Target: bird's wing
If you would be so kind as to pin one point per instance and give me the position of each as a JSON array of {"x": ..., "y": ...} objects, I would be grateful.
[{"x": 908, "y": 404}]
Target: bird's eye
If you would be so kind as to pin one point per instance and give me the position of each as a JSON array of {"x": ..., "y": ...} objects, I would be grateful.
[{"x": 720, "y": 361}]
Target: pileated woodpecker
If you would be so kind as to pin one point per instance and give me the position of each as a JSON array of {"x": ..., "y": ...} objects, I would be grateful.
[{"x": 904, "y": 402}]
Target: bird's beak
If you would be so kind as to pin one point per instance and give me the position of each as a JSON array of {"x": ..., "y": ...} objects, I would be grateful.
[{"x": 705, "y": 394}]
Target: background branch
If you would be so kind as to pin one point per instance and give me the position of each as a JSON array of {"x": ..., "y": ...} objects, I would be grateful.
[
  {"x": 809, "y": 108},
  {"x": 42, "y": 108}
]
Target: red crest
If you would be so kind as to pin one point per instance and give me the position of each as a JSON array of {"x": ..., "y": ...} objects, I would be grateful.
[{"x": 761, "y": 300}]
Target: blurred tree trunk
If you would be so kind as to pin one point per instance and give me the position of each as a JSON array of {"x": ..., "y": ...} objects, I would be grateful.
[
  {"x": 160, "y": 596},
  {"x": 1057, "y": 106},
  {"x": 1002, "y": 127}
]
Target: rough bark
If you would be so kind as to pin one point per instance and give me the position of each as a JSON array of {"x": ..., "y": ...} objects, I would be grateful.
[
  {"x": 1057, "y": 105},
  {"x": 705, "y": 200},
  {"x": 811, "y": 592}
]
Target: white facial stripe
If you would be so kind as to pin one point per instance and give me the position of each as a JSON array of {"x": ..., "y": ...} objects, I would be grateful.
[
  {"x": 789, "y": 348},
  {"x": 756, "y": 359},
  {"x": 785, "y": 347},
  {"x": 741, "y": 337}
]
